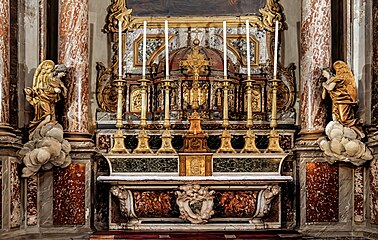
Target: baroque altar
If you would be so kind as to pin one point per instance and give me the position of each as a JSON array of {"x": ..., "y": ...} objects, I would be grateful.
[{"x": 196, "y": 130}]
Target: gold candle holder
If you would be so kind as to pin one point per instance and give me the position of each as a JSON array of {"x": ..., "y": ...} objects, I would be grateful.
[
  {"x": 274, "y": 137},
  {"x": 143, "y": 146},
  {"x": 119, "y": 139},
  {"x": 166, "y": 138},
  {"x": 226, "y": 146},
  {"x": 250, "y": 137}
]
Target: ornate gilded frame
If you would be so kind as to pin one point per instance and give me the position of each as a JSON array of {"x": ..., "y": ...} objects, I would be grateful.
[{"x": 271, "y": 12}]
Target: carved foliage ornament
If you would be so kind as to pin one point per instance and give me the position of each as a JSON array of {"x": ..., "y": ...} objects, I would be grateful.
[{"x": 195, "y": 203}]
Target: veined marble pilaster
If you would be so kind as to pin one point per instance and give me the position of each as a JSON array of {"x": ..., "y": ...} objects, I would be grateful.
[
  {"x": 73, "y": 52},
  {"x": 359, "y": 211},
  {"x": 4, "y": 62},
  {"x": 315, "y": 55},
  {"x": 32, "y": 200},
  {"x": 373, "y": 205}
]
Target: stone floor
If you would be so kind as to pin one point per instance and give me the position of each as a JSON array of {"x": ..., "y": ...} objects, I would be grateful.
[{"x": 197, "y": 235}]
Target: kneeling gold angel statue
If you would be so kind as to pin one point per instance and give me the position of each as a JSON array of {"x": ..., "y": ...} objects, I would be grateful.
[
  {"x": 344, "y": 132},
  {"x": 46, "y": 91},
  {"x": 46, "y": 147}
]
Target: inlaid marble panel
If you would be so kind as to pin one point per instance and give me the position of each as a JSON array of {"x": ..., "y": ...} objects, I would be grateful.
[
  {"x": 15, "y": 204},
  {"x": 144, "y": 164},
  {"x": 359, "y": 194},
  {"x": 246, "y": 164},
  {"x": 322, "y": 197},
  {"x": 31, "y": 200},
  {"x": 155, "y": 204},
  {"x": 235, "y": 203},
  {"x": 69, "y": 195},
  {"x": 104, "y": 142}
]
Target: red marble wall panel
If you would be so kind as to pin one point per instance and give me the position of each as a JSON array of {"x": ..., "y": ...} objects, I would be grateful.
[
  {"x": 373, "y": 175},
  {"x": 359, "y": 194},
  {"x": 15, "y": 206},
  {"x": 315, "y": 55},
  {"x": 5, "y": 61},
  {"x": 73, "y": 52},
  {"x": 31, "y": 201},
  {"x": 322, "y": 195},
  {"x": 69, "y": 195}
]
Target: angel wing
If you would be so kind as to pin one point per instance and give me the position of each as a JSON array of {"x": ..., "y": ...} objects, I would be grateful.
[
  {"x": 43, "y": 73},
  {"x": 343, "y": 71}
]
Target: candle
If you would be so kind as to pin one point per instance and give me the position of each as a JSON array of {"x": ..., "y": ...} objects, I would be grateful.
[
  {"x": 144, "y": 47},
  {"x": 224, "y": 49},
  {"x": 120, "y": 48},
  {"x": 248, "y": 48},
  {"x": 166, "y": 50},
  {"x": 275, "y": 51}
]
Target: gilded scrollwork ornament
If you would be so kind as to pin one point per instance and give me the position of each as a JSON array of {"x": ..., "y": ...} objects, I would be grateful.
[
  {"x": 115, "y": 10},
  {"x": 272, "y": 12}
]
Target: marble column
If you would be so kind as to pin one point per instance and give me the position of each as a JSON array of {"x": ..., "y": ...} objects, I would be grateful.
[
  {"x": 71, "y": 203},
  {"x": 5, "y": 129},
  {"x": 315, "y": 55},
  {"x": 374, "y": 63},
  {"x": 73, "y": 52}
]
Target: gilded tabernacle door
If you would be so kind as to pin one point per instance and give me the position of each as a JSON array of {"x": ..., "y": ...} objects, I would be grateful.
[{"x": 196, "y": 115}]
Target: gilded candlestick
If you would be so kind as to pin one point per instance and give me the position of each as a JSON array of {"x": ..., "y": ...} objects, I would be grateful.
[
  {"x": 250, "y": 137},
  {"x": 166, "y": 138},
  {"x": 226, "y": 137},
  {"x": 143, "y": 146},
  {"x": 274, "y": 137},
  {"x": 119, "y": 143}
]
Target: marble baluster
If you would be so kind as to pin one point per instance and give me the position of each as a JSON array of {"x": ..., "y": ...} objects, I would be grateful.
[
  {"x": 315, "y": 55},
  {"x": 73, "y": 52}
]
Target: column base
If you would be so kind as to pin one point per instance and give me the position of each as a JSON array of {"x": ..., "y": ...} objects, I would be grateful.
[
  {"x": 311, "y": 135},
  {"x": 78, "y": 137}
]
